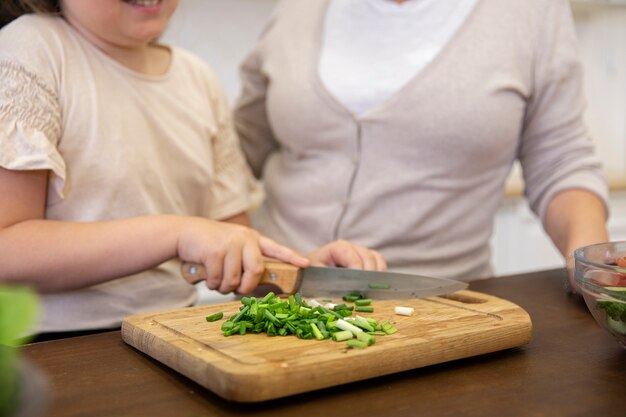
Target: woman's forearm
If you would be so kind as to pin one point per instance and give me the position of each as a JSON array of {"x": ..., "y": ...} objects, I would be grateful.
[{"x": 576, "y": 218}]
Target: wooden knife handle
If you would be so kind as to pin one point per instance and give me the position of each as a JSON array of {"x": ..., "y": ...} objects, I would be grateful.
[{"x": 285, "y": 276}]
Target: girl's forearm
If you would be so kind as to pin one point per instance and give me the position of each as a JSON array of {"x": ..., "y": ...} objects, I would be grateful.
[{"x": 55, "y": 256}]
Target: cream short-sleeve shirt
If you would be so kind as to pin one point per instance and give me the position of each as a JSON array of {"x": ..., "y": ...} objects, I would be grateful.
[{"x": 118, "y": 144}]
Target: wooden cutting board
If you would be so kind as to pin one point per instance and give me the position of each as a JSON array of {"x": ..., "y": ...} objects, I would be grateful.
[{"x": 256, "y": 367}]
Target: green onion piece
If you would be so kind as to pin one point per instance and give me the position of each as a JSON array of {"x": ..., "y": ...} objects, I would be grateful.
[
  {"x": 391, "y": 330},
  {"x": 334, "y": 313},
  {"x": 279, "y": 306},
  {"x": 342, "y": 336},
  {"x": 215, "y": 317},
  {"x": 379, "y": 286},
  {"x": 316, "y": 332},
  {"x": 363, "y": 302},
  {"x": 344, "y": 325},
  {"x": 271, "y": 330},
  {"x": 356, "y": 344},
  {"x": 232, "y": 331},
  {"x": 367, "y": 338},
  {"x": 364, "y": 309},
  {"x": 267, "y": 297},
  {"x": 239, "y": 315},
  {"x": 362, "y": 323},
  {"x": 352, "y": 297},
  {"x": 271, "y": 317}
]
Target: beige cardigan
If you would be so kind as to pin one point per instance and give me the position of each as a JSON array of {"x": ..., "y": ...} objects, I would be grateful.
[{"x": 419, "y": 177}]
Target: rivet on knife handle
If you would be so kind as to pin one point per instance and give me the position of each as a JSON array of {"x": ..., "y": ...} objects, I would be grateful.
[{"x": 285, "y": 276}]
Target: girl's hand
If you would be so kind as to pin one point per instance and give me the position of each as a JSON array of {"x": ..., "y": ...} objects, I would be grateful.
[
  {"x": 342, "y": 253},
  {"x": 232, "y": 254}
]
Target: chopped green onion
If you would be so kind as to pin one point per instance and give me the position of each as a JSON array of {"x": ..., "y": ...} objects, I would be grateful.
[
  {"x": 342, "y": 336},
  {"x": 404, "y": 311},
  {"x": 316, "y": 332},
  {"x": 352, "y": 297},
  {"x": 362, "y": 323},
  {"x": 364, "y": 309},
  {"x": 356, "y": 344},
  {"x": 344, "y": 325},
  {"x": 367, "y": 338},
  {"x": 363, "y": 302},
  {"x": 215, "y": 317},
  {"x": 391, "y": 330},
  {"x": 239, "y": 315},
  {"x": 379, "y": 286},
  {"x": 294, "y": 316},
  {"x": 269, "y": 296}
]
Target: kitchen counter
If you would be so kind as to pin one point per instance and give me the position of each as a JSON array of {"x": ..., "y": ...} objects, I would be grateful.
[{"x": 571, "y": 368}]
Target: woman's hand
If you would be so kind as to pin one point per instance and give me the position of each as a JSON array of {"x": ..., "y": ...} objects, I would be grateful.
[
  {"x": 342, "y": 253},
  {"x": 232, "y": 254}
]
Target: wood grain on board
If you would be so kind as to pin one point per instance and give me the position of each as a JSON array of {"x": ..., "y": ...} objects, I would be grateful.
[{"x": 256, "y": 367}]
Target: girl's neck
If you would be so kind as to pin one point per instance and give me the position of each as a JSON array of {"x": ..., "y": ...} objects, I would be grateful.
[
  {"x": 148, "y": 58},
  {"x": 151, "y": 59}
]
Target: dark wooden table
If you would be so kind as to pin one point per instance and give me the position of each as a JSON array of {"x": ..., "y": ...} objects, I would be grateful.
[{"x": 571, "y": 368}]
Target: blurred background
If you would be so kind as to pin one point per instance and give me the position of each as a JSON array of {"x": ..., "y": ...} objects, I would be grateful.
[{"x": 223, "y": 31}]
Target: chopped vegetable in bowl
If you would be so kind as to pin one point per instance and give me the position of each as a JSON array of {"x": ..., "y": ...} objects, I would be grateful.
[{"x": 600, "y": 272}]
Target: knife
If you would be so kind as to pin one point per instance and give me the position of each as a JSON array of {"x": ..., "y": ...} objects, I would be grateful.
[{"x": 315, "y": 281}]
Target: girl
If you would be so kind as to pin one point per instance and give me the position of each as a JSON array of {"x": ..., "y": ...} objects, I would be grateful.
[{"x": 115, "y": 151}]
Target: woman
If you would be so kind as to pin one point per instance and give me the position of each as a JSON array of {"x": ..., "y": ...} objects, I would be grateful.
[{"x": 395, "y": 124}]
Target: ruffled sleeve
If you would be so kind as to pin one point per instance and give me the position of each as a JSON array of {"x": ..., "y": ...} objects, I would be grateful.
[{"x": 30, "y": 123}]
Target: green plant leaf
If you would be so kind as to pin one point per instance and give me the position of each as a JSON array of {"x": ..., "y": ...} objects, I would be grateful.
[{"x": 19, "y": 310}]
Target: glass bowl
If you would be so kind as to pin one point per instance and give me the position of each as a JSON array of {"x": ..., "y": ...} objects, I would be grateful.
[{"x": 600, "y": 271}]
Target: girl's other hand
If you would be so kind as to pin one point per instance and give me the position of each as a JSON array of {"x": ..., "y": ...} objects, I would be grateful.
[
  {"x": 342, "y": 253},
  {"x": 232, "y": 254}
]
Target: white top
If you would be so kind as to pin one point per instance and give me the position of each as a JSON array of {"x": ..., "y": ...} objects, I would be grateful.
[
  {"x": 394, "y": 43},
  {"x": 118, "y": 144}
]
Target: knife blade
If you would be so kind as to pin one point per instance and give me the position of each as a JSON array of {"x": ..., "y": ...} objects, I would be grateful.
[{"x": 315, "y": 281}]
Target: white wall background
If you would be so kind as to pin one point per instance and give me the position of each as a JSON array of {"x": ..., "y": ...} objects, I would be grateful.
[
  {"x": 220, "y": 31},
  {"x": 223, "y": 31},
  {"x": 602, "y": 38}
]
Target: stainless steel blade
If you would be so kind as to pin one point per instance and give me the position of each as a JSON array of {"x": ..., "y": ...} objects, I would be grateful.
[{"x": 334, "y": 282}]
